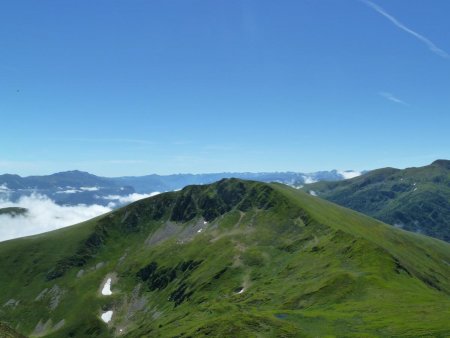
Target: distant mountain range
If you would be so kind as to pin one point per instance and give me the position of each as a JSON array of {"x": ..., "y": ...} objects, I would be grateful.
[
  {"x": 78, "y": 187},
  {"x": 415, "y": 199}
]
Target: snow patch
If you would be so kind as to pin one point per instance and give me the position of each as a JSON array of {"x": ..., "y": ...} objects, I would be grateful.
[
  {"x": 106, "y": 291},
  {"x": 106, "y": 316},
  {"x": 313, "y": 193}
]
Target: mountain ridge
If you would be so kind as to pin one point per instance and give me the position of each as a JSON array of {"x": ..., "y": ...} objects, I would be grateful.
[
  {"x": 416, "y": 199},
  {"x": 233, "y": 258},
  {"x": 79, "y": 187}
]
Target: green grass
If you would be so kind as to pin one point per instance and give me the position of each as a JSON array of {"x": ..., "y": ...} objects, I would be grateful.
[
  {"x": 307, "y": 267},
  {"x": 13, "y": 211},
  {"x": 415, "y": 199}
]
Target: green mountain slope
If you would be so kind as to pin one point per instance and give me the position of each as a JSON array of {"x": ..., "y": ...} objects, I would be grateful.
[
  {"x": 7, "y": 332},
  {"x": 13, "y": 211},
  {"x": 231, "y": 259},
  {"x": 415, "y": 199}
]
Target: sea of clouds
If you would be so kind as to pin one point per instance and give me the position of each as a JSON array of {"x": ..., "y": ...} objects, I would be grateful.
[{"x": 45, "y": 215}]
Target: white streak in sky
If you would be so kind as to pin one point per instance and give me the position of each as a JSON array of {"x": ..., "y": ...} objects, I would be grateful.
[
  {"x": 392, "y": 98},
  {"x": 431, "y": 46}
]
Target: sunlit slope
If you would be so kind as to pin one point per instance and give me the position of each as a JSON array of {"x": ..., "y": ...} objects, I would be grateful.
[
  {"x": 415, "y": 199},
  {"x": 235, "y": 258}
]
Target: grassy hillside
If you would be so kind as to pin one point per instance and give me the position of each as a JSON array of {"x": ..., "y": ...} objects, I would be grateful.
[
  {"x": 13, "y": 211},
  {"x": 415, "y": 199},
  {"x": 7, "y": 332},
  {"x": 231, "y": 259}
]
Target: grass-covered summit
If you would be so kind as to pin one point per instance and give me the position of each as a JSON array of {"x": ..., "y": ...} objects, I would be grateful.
[
  {"x": 231, "y": 259},
  {"x": 13, "y": 211},
  {"x": 415, "y": 199}
]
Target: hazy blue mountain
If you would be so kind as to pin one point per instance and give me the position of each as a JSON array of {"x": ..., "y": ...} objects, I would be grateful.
[
  {"x": 78, "y": 187},
  {"x": 70, "y": 187},
  {"x": 151, "y": 183}
]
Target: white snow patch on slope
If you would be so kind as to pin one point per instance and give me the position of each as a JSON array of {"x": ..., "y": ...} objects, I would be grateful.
[
  {"x": 312, "y": 192},
  {"x": 106, "y": 291},
  {"x": 106, "y": 316}
]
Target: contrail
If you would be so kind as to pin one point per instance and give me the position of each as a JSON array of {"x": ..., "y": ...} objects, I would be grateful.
[
  {"x": 392, "y": 98},
  {"x": 431, "y": 46}
]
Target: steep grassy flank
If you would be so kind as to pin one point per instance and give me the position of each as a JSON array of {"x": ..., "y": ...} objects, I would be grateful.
[
  {"x": 231, "y": 259},
  {"x": 7, "y": 332},
  {"x": 415, "y": 199}
]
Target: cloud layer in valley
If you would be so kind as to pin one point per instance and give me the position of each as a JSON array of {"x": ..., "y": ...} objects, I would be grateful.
[
  {"x": 117, "y": 200},
  {"x": 45, "y": 215},
  {"x": 347, "y": 174}
]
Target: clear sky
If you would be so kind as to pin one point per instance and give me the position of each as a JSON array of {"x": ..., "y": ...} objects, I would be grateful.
[{"x": 136, "y": 87}]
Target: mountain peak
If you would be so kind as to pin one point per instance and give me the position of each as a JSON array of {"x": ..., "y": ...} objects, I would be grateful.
[
  {"x": 442, "y": 163},
  {"x": 73, "y": 173},
  {"x": 213, "y": 200}
]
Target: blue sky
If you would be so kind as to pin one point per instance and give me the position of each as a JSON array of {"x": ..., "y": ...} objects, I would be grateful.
[{"x": 138, "y": 87}]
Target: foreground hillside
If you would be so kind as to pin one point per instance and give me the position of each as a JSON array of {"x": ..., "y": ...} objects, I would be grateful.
[
  {"x": 415, "y": 199},
  {"x": 231, "y": 259}
]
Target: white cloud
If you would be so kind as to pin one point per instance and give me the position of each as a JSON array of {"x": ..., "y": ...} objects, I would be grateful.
[
  {"x": 4, "y": 188},
  {"x": 69, "y": 191},
  {"x": 308, "y": 179},
  {"x": 431, "y": 46},
  {"x": 43, "y": 215},
  {"x": 72, "y": 190},
  {"x": 347, "y": 174},
  {"x": 128, "y": 198},
  {"x": 392, "y": 98},
  {"x": 89, "y": 188}
]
